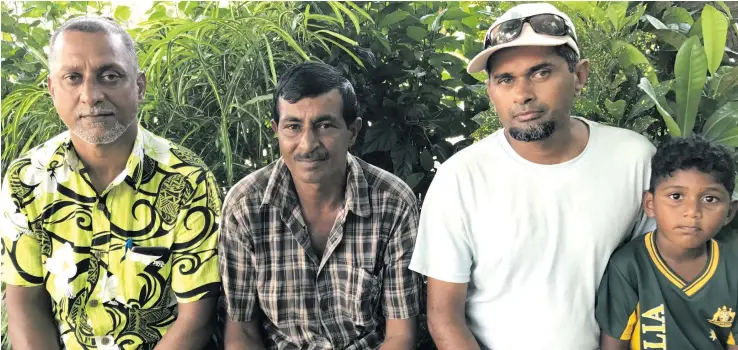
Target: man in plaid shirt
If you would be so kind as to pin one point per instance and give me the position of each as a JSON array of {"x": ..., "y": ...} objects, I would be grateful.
[{"x": 315, "y": 247}]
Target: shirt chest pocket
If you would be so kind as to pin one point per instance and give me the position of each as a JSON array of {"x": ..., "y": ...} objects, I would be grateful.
[
  {"x": 144, "y": 280},
  {"x": 361, "y": 296}
]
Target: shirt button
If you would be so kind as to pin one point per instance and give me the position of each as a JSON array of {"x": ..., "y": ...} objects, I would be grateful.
[
  {"x": 101, "y": 206},
  {"x": 94, "y": 303},
  {"x": 105, "y": 341}
]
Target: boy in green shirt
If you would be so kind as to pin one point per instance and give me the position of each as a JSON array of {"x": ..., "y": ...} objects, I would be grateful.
[{"x": 677, "y": 288}]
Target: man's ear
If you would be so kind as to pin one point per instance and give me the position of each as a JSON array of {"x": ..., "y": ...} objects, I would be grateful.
[
  {"x": 731, "y": 211},
  {"x": 582, "y": 73},
  {"x": 50, "y": 85},
  {"x": 141, "y": 84},
  {"x": 648, "y": 204},
  {"x": 274, "y": 126},
  {"x": 354, "y": 128}
]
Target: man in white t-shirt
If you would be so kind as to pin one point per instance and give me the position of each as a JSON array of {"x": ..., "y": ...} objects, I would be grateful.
[{"x": 516, "y": 230}]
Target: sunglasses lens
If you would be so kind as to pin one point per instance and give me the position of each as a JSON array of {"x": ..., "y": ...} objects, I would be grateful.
[
  {"x": 505, "y": 32},
  {"x": 548, "y": 24}
]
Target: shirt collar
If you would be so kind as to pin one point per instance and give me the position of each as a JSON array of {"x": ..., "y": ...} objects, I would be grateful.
[
  {"x": 134, "y": 165},
  {"x": 280, "y": 191}
]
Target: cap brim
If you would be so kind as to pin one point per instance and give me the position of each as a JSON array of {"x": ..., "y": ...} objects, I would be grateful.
[{"x": 479, "y": 62}]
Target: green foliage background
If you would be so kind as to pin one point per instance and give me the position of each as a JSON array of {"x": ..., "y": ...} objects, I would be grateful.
[{"x": 211, "y": 71}]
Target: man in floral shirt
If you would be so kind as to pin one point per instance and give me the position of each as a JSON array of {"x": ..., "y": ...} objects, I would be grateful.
[{"x": 109, "y": 232}]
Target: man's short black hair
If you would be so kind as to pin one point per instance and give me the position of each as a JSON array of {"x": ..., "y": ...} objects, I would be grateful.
[
  {"x": 311, "y": 79},
  {"x": 95, "y": 24},
  {"x": 693, "y": 152},
  {"x": 565, "y": 51}
]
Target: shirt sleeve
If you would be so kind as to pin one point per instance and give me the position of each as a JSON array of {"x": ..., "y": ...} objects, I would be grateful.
[
  {"x": 236, "y": 258},
  {"x": 617, "y": 307},
  {"x": 194, "y": 253},
  {"x": 401, "y": 285},
  {"x": 21, "y": 251},
  {"x": 643, "y": 225},
  {"x": 443, "y": 250}
]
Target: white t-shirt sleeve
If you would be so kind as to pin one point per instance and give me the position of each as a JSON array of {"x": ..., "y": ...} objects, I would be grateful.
[
  {"x": 643, "y": 225},
  {"x": 443, "y": 249}
]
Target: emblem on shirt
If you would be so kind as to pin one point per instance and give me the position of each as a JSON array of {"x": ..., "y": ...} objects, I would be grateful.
[{"x": 723, "y": 317}]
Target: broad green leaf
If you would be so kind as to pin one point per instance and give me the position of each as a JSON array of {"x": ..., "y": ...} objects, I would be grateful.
[
  {"x": 670, "y": 37},
  {"x": 724, "y": 119},
  {"x": 616, "y": 109},
  {"x": 645, "y": 102},
  {"x": 714, "y": 32},
  {"x": 676, "y": 14},
  {"x": 455, "y": 13},
  {"x": 122, "y": 13},
  {"x": 436, "y": 25},
  {"x": 696, "y": 29},
  {"x": 729, "y": 138},
  {"x": 634, "y": 17},
  {"x": 393, "y": 18},
  {"x": 671, "y": 125},
  {"x": 426, "y": 160},
  {"x": 417, "y": 33},
  {"x": 404, "y": 156},
  {"x": 471, "y": 21},
  {"x": 428, "y": 19},
  {"x": 379, "y": 138},
  {"x": 725, "y": 8},
  {"x": 655, "y": 22},
  {"x": 630, "y": 55},
  {"x": 616, "y": 11},
  {"x": 725, "y": 79},
  {"x": 690, "y": 71},
  {"x": 413, "y": 179}
]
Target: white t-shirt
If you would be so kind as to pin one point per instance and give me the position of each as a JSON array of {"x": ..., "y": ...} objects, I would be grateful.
[{"x": 532, "y": 241}]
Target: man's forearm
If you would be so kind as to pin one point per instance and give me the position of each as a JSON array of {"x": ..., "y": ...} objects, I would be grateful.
[
  {"x": 398, "y": 342},
  {"x": 186, "y": 335},
  {"x": 193, "y": 328},
  {"x": 243, "y": 336},
  {"x": 31, "y": 324},
  {"x": 452, "y": 335}
]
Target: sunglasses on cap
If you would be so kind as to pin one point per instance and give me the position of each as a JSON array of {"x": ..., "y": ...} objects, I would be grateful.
[{"x": 508, "y": 31}]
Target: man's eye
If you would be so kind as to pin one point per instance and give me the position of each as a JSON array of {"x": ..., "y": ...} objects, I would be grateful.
[
  {"x": 324, "y": 126},
  {"x": 542, "y": 74},
  {"x": 504, "y": 81},
  {"x": 110, "y": 77},
  {"x": 676, "y": 196},
  {"x": 291, "y": 126},
  {"x": 72, "y": 78}
]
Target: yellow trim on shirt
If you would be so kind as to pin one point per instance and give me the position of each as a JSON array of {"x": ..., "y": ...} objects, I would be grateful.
[
  {"x": 660, "y": 264},
  {"x": 630, "y": 327},
  {"x": 700, "y": 282},
  {"x": 635, "y": 340}
]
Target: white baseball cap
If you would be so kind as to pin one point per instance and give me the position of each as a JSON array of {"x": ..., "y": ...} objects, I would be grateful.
[{"x": 527, "y": 37}]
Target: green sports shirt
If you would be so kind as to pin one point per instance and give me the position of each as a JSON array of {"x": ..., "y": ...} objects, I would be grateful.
[{"x": 641, "y": 300}]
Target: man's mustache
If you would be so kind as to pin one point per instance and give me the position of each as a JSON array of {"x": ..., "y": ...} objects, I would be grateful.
[{"x": 313, "y": 156}]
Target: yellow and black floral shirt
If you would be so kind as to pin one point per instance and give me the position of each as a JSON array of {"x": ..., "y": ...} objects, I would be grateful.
[{"x": 115, "y": 263}]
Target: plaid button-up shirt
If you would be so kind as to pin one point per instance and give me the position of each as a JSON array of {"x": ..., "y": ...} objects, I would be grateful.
[{"x": 339, "y": 301}]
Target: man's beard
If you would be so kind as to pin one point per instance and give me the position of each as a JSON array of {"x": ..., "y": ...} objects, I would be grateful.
[
  {"x": 537, "y": 132},
  {"x": 111, "y": 131}
]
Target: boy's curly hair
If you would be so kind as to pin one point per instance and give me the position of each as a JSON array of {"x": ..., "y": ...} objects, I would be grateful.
[{"x": 693, "y": 152}]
